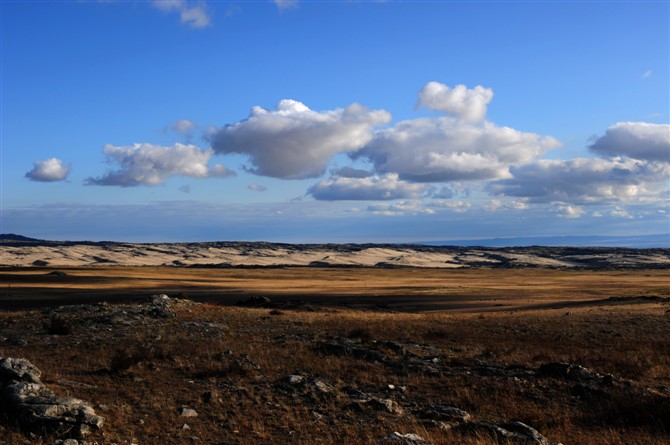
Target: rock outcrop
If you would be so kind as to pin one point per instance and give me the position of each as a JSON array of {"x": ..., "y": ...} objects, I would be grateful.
[{"x": 24, "y": 396}]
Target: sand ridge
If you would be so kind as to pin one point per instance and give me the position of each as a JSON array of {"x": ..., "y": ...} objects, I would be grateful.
[{"x": 261, "y": 254}]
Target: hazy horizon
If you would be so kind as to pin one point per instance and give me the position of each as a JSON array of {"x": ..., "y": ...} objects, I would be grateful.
[{"x": 299, "y": 121}]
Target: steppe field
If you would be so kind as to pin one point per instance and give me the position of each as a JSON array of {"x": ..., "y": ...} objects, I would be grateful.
[{"x": 341, "y": 355}]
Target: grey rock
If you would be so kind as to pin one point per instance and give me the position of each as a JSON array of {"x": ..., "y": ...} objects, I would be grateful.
[
  {"x": 67, "y": 442},
  {"x": 295, "y": 379},
  {"x": 188, "y": 412},
  {"x": 526, "y": 430},
  {"x": 376, "y": 404},
  {"x": 160, "y": 306},
  {"x": 520, "y": 433},
  {"x": 18, "y": 369},
  {"x": 37, "y": 407},
  {"x": 403, "y": 439},
  {"x": 443, "y": 412},
  {"x": 567, "y": 371}
]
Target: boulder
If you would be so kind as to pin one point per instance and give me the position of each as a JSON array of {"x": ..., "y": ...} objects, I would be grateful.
[{"x": 37, "y": 408}]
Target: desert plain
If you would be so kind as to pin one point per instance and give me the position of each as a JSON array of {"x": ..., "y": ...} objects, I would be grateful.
[{"x": 341, "y": 344}]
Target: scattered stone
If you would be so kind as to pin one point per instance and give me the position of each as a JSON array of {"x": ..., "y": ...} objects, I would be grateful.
[
  {"x": 68, "y": 442},
  {"x": 526, "y": 430},
  {"x": 37, "y": 407},
  {"x": 567, "y": 371},
  {"x": 403, "y": 439},
  {"x": 295, "y": 379},
  {"x": 188, "y": 412},
  {"x": 514, "y": 432},
  {"x": 322, "y": 386},
  {"x": 185, "y": 427},
  {"x": 443, "y": 412},
  {"x": 376, "y": 404},
  {"x": 160, "y": 306}
]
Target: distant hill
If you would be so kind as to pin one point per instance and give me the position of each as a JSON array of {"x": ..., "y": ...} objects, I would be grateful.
[
  {"x": 11, "y": 237},
  {"x": 639, "y": 242}
]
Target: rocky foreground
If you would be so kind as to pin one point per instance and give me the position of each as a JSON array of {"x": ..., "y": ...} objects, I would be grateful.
[
  {"x": 26, "y": 252},
  {"x": 172, "y": 371}
]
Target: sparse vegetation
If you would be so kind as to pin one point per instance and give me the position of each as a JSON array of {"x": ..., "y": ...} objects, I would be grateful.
[{"x": 232, "y": 366}]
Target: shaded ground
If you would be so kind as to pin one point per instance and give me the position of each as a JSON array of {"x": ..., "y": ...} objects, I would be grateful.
[{"x": 365, "y": 288}]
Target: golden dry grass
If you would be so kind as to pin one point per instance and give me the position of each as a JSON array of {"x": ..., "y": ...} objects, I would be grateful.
[{"x": 230, "y": 363}]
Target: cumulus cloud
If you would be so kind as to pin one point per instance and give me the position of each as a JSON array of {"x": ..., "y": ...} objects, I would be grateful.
[
  {"x": 447, "y": 149},
  {"x": 295, "y": 142},
  {"x": 639, "y": 140},
  {"x": 147, "y": 164},
  {"x": 496, "y": 204},
  {"x": 257, "y": 187},
  {"x": 464, "y": 103},
  {"x": 372, "y": 188},
  {"x": 50, "y": 170},
  {"x": 567, "y": 211},
  {"x": 586, "y": 180},
  {"x": 183, "y": 126},
  {"x": 192, "y": 14}
]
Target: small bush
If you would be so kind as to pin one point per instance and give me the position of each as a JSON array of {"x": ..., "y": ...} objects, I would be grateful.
[{"x": 58, "y": 325}]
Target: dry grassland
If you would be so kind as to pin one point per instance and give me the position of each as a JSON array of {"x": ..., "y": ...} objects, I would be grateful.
[{"x": 472, "y": 339}]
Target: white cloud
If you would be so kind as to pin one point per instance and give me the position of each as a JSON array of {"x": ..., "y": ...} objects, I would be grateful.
[
  {"x": 407, "y": 207},
  {"x": 638, "y": 140},
  {"x": 257, "y": 187},
  {"x": 294, "y": 142},
  {"x": 456, "y": 206},
  {"x": 516, "y": 204},
  {"x": 647, "y": 74},
  {"x": 192, "y": 14},
  {"x": 372, "y": 188},
  {"x": 446, "y": 149},
  {"x": 285, "y": 4},
  {"x": 619, "y": 212},
  {"x": 464, "y": 103},
  {"x": 183, "y": 126},
  {"x": 147, "y": 164},
  {"x": 50, "y": 170},
  {"x": 220, "y": 171},
  {"x": 567, "y": 211},
  {"x": 587, "y": 181}
]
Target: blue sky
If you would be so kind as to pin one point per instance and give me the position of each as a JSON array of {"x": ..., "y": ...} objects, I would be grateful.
[{"x": 306, "y": 121}]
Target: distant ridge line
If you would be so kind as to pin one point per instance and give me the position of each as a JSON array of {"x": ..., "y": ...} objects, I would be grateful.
[{"x": 654, "y": 241}]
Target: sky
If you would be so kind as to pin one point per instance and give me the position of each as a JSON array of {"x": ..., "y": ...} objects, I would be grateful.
[{"x": 334, "y": 121}]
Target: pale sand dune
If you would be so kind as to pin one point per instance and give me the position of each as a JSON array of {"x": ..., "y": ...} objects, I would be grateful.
[{"x": 266, "y": 254}]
